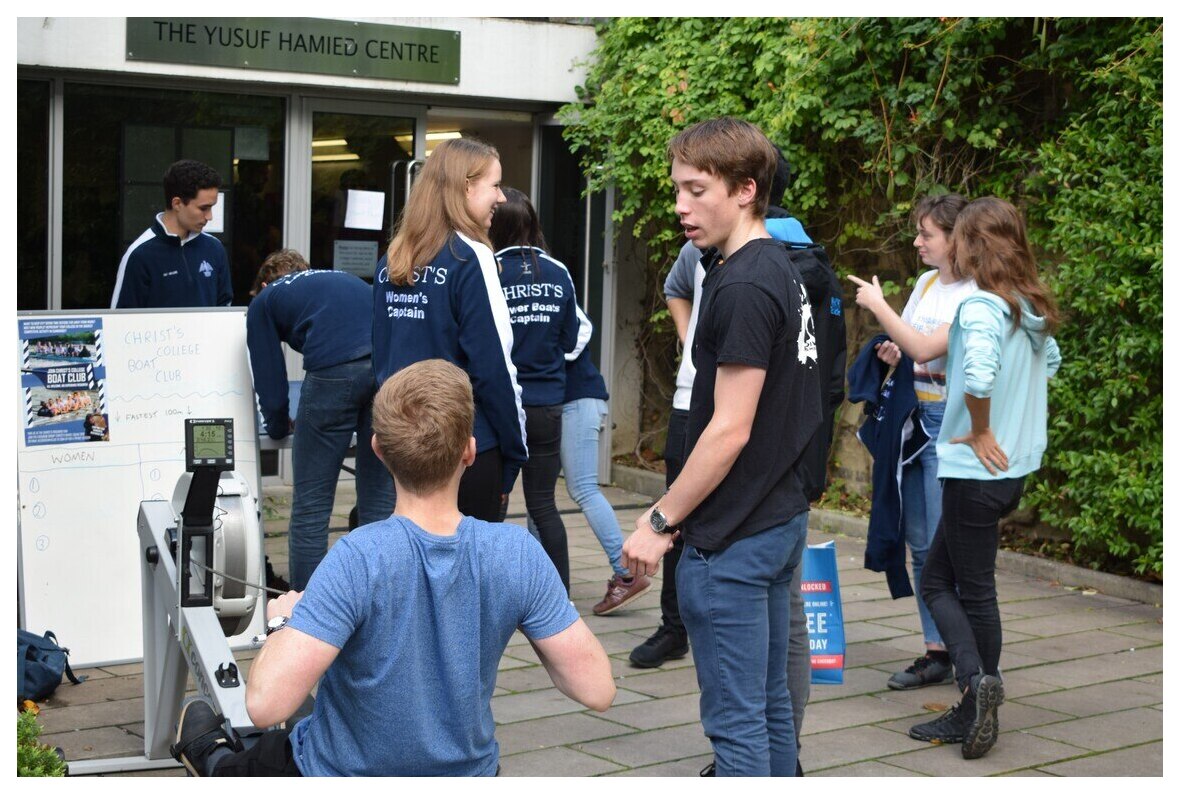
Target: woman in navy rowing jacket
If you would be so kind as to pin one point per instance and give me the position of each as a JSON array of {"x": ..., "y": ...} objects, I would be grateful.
[
  {"x": 545, "y": 327},
  {"x": 436, "y": 294}
]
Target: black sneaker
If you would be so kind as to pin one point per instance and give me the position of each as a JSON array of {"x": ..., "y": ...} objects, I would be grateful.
[
  {"x": 983, "y": 727},
  {"x": 199, "y": 732},
  {"x": 925, "y": 671},
  {"x": 946, "y": 728},
  {"x": 660, "y": 647},
  {"x": 710, "y": 770}
]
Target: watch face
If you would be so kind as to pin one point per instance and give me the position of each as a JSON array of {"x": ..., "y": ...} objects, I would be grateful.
[{"x": 658, "y": 522}]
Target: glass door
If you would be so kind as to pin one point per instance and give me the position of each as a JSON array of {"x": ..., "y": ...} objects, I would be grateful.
[{"x": 355, "y": 149}]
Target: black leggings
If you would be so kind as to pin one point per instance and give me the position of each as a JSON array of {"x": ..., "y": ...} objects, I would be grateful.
[
  {"x": 959, "y": 579},
  {"x": 543, "y": 425},
  {"x": 481, "y": 486}
]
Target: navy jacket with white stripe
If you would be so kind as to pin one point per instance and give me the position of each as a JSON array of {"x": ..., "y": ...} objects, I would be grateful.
[
  {"x": 547, "y": 326},
  {"x": 160, "y": 271},
  {"x": 455, "y": 310}
]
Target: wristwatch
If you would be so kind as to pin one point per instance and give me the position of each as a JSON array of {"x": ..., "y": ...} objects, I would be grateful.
[
  {"x": 659, "y": 523},
  {"x": 276, "y": 623}
]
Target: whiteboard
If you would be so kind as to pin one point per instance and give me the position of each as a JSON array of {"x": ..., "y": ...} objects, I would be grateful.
[{"x": 146, "y": 371}]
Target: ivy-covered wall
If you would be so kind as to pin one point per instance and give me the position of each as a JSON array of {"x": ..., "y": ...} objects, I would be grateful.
[{"x": 1063, "y": 117}]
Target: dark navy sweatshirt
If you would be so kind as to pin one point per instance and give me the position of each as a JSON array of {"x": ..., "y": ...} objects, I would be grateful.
[
  {"x": 455, "y": 310},
  {"x": 159, "y": 271},
  {"x": 323, "y": 314},
  {"x": 546, "y": 322}
]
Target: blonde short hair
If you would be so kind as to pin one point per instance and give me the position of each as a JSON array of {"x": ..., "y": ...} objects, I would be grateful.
[{"x": 423, "y": 417}]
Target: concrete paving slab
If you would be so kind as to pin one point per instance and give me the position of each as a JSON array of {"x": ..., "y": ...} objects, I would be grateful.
[
  {"x": 1062, "y": 647},
  {"x": 832, "y": 715},
  {"x": 1013, "y": 751},
  {"x": 97, "y": 690},
  {"x": 555, "y": 762},
  {"x": 864, "y": 631},
  {"x": 864, "y": 654},
  {"x": 863, "y": 769},
  {"x": 1107, "y": 731},
  {"x": 91, "y": 715},
  {"x": 663, "y": 683},
  {"x": 1096, "y": 669},
  {"x": 658, "y": 712},
  {"x": 650, "y": 747},
  {"x": 684, "y": 767},
  {"x": 530, "y": 705},
  {"x": 1146, "y": 760},
  {"x": 547, "y": 732},
  {"x": 1013, "y": 717},
  {"x": 1071, "y": 622},
  {"x": 106, "y": 742},
  {"x": 852, "y": 745},
  {"x": 523, "y": 679},
  {"x": 857, "y": 681},
  {"x": 1152, "y": 631}
]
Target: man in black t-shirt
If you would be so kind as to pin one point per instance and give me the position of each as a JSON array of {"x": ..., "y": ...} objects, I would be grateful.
[{"x": 739, "y": 500}]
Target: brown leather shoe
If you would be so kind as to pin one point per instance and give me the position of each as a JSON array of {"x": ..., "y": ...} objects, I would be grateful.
[{"x": 620, "y": 592}]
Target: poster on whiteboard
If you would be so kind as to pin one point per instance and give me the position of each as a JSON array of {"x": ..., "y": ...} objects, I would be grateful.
[{"x": 63, "y": 380}]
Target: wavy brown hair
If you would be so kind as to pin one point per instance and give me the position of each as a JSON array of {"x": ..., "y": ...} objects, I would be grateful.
[
  {"x": 278, "y": 264},
  {"x": 990, "y": 245},
  {"x": 437, "y": 206}
]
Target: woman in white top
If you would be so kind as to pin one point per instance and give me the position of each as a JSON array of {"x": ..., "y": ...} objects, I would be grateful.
[{"x": 921, "y": 333}]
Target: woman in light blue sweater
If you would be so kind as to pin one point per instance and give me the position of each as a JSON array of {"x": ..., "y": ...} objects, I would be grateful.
[{"x": 1000, "y": 356}]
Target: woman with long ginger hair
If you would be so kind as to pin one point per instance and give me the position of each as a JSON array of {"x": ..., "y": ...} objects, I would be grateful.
[
  {"x": 436, "y": 294},
  {"x": 1001, "y": 354}
]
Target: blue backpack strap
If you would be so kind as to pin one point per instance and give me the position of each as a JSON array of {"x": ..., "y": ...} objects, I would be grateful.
[{"x": 49, "y": 635}]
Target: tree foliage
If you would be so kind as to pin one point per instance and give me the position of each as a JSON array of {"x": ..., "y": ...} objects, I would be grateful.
[{"x": 1061, "y": 116}]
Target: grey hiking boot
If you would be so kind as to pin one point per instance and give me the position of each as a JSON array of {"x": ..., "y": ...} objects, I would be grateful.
[
  {"x": 983, "y": 727},
  {"x": 925, "y": 671}
]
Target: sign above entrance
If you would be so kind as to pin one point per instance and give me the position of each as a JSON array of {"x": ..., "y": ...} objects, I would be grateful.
[{"x": 322, "y": 46}]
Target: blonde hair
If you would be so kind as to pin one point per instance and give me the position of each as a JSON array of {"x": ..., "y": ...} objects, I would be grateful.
[
  {"x": 423, "y": 417},
  {"x": 990, "y": 245},
  {"x": 437, "y": 206}
]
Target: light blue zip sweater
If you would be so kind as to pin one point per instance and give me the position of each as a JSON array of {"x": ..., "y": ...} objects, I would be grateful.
[{"x": 987, "y": 357}]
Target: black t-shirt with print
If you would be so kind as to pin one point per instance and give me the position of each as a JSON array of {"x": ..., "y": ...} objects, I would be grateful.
[{"x": 754, "y": 311}]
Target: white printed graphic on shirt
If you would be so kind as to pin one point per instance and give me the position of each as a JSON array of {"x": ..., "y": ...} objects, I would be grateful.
[{"x": 807, "y": 348}]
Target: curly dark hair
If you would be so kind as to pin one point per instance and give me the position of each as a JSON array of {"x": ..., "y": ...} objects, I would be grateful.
[{"x": 185, "y": 178}]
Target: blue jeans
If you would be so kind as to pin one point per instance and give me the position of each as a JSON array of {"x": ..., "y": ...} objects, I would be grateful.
[
  {"x": 735, "y": 604},
  {"x": 581, "y": 424},
  {"x": 921, "y": 503},
  {"x": 335, "y": 402}
]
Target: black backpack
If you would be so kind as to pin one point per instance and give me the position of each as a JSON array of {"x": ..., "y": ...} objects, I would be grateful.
[
  {"x": 825, "y": 295},
  {"x": 40, "y": 662}
]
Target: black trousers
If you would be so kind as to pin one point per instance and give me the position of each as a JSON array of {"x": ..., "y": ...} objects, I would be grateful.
[
  {"x": 959, "y": 580},
  {"x": 543, "y": 425},
  {"x": 674, "y": 458},
  {"x": 479, "y": 490},
  {"x": 269, "y": 756}
]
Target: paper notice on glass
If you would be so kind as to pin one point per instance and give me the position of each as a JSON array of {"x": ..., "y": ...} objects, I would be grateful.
[
  {"x": 358, "y": 257},
  {"x": 217, "y": 224},
  {"x": 366, "y": 209}
]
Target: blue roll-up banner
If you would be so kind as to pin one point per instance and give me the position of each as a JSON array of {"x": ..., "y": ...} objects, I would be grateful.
[{"x": 825, "y": 615}]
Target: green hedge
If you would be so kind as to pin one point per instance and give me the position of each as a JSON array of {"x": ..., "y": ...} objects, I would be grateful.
[{"x": 1061, "y": 116}]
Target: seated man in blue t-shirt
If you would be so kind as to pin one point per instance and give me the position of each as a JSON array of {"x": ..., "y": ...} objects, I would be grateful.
[{"x": 404, "y": 622}]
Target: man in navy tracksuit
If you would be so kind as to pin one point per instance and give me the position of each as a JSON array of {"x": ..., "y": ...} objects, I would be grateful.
[
  {"x": 325, "y": 315},
  {"x": 174, "y": 263}
]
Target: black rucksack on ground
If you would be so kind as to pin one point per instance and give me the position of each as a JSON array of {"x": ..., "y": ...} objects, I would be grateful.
[{"x": 40, "y": 662}]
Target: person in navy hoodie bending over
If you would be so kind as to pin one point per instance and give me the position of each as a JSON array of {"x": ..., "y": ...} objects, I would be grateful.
[
  {"x": 545, "y": 326},
  {"x": 436, "y": 294},
  {"x": 323, "y": 315}
]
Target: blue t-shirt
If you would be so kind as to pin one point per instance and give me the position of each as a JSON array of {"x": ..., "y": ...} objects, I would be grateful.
[{"x": 421, "y": 621}]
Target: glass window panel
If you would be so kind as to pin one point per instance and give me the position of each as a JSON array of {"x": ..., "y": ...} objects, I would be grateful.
[
  {"x": 32, "y": 175},
  {"x": 351, "y": 171},
  {"x": 112, "y": 191}
]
